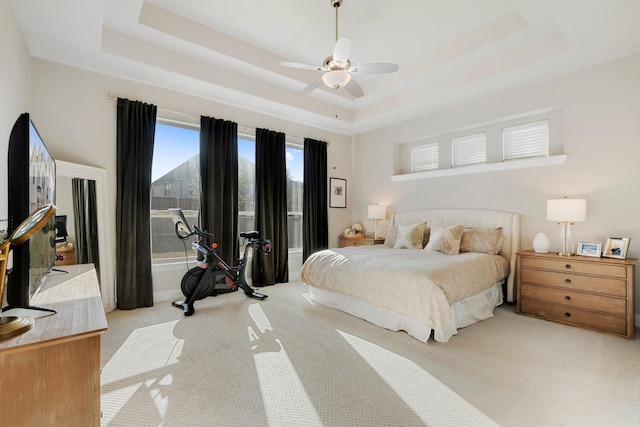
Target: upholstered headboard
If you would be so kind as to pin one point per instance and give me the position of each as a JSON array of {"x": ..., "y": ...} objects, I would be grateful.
[{"x": 474, "y": 218}]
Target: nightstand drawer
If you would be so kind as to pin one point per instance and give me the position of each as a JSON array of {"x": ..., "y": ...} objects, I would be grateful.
[
  {"x": 570, "y": 265},
  {"x": 573, "y": 281},
  {"x": 616, "y": 306},
  {"x": 576, "y": 316}
]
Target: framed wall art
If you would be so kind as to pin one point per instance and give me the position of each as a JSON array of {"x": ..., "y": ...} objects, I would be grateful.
[
  {"x": 337, "y": 193},
  {"x": 616, "y": 247},
  {"x": 593, "y": 249}
]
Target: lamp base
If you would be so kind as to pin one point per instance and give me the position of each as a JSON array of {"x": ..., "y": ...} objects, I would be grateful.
[{"x": 12, "y": 326}]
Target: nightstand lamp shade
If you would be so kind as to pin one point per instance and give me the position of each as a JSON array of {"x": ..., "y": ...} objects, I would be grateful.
[
  {"x": 566, "y": 212},
  {"x": 376, "y": 213}
]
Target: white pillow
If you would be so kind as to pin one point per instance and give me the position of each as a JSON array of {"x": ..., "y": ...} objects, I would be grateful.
[
  {"x": 410, "y": 236},
  {"x": 445, "y": 239}
]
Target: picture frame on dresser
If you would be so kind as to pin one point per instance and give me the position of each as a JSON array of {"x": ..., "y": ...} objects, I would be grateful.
[
  {"x": 593, "y": 249},
  {"x": 616, "y": 247}
]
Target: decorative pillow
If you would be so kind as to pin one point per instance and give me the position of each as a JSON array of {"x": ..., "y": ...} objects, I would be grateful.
[
  {"x": 482, "y": 240},
  {"x": 392, "y": 235},
  {"x": 445, "y": 239},
  {"x": 410, "y": 236}
]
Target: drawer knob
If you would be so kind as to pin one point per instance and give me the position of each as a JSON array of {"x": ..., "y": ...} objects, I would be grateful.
[
  {"x": 567, "y": 281},
  {"x": 567, "y": 314},
  {"x": 568, "y": 298},
  {"x": 567, "y": 266}
]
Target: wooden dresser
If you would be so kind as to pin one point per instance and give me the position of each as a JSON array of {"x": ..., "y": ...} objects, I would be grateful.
[
  {"x": 343, "y": 242},
  {"x": 593, "y": 293},
  {"x": 50, "y": 375}
]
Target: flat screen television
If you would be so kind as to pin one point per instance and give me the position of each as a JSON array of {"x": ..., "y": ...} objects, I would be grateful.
[{"x": 31, "y": 184}]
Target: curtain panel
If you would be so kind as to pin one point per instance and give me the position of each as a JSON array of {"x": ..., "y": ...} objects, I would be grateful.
[
  {"x": 219, "y": 184},
  {"x": 136, "y": 126},
  {"x": 315, "y": 217},
  {"x": 271, "y": 208}
]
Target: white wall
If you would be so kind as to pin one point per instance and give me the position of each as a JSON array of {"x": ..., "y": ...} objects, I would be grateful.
[
  {"x": 15, "y": 78},
  {"x": 77, "y": 121},
  {"x": 601, "y": 110}
]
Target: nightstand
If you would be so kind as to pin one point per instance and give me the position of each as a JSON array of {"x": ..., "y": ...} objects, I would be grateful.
[
  {"x": 343, "y": 242},
  {"x": 69, "y": 254},
  {"x": 592, "y": 293}
]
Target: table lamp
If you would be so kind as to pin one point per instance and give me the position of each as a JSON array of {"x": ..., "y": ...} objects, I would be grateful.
[
  {"x": 376, "y": 213},
  {"x": 566, "y": 212}
]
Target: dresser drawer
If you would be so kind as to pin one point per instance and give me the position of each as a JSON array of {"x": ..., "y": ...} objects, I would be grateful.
[
  {"x": 575, "y": 316},
  {"x": 616, "y": 306},
  {"x": 602, "y": 285},
  {"x": 576, "y": 267}
]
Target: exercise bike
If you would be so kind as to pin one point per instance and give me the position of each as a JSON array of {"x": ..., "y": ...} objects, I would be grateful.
[{"x": 213, "y": 276}]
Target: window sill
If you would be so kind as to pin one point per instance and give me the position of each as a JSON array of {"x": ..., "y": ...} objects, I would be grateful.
[{"x": 491, "y": 167}]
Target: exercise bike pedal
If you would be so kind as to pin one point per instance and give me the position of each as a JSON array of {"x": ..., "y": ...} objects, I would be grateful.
[
  {"x": 188, "y": 310},
  {"x": 257, "y": 295}
]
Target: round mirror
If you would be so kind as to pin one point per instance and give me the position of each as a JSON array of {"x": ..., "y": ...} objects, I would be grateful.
[{"x": 32, "y": 224}]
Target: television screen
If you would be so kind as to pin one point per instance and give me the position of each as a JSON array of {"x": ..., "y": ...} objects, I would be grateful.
[{"x": 31, "y": 184}]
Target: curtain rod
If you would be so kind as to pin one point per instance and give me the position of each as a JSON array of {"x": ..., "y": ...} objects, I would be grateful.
[{"x": 241, "y": 127}]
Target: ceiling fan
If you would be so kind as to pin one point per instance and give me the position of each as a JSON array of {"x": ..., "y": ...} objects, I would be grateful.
[{"x": 339, "y": 67}]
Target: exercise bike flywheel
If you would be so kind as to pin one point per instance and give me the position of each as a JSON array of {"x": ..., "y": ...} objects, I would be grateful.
[{"x": 217, "y": 284}]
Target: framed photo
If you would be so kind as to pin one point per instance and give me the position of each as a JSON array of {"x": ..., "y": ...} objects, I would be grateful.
[
  {"x": 616, "y": 247},
  {"x": 589, "y": 249},
  {"x": 337, "y": 193}
]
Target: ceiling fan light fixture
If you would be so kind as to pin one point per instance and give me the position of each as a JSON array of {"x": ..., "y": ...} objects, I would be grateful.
[{"x": 336, "y": 78}]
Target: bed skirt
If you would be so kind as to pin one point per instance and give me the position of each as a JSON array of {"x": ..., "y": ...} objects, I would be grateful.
[{"x": 464, "y": 313}]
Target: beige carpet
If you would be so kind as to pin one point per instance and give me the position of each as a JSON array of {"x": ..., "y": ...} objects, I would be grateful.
[{"x": 287, "y": 362}]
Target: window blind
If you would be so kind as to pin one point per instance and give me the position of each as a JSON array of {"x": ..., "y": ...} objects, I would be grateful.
[
  {"x": 527, "y": 140},
  {"x": 469, "y": 150},
  {"x": 424, "y": 157}
]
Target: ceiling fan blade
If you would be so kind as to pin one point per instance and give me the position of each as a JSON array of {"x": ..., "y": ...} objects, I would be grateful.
[
  {"x": 374, "y": 68},
  {"x": 301, "y": 66},
  {"x": 312, "y": 86},
  {"x": 341, "y": 51},
  {"x": 354, "y": 89}
]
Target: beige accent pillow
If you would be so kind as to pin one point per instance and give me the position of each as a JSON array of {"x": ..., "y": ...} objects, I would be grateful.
[
  {"x": 410, "y": 236},
  {"x": 392, "y": 235},
  {"x": 445, "y": 239},
  {"x": 481, "y": 240}
]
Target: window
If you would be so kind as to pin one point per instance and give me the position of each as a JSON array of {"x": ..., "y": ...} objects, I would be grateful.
[
  {"x": 424, "y": 157},
  {"x": 469, "y": 150},
  {"x": 527, "y": 140},
  {"x": 295, "y": 176},
  {"x": 175, "y": 183},
  {"x": 246, "y": 183}
]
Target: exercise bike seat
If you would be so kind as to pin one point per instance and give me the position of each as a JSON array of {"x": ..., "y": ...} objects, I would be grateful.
[{"x": 252, "y": 235}]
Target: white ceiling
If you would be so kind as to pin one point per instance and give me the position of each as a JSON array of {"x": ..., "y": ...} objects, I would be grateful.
[{"x": 228, "y": 50}]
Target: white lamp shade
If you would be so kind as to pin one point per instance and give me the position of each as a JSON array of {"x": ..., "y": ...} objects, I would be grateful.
[
  {"x": 566, "y": 210},
  {"x": 336, "y": 78},
  {"x": 377, "y": 212}
]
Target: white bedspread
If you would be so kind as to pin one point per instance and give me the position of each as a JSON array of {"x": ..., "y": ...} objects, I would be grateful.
[{"x": 419, "y": 284}]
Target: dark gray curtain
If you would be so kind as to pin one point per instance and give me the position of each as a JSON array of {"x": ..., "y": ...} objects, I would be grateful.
[
  {"x": 315, "y": 219},
  {"x": 86, "y": 221},
  {"x": 271, "y": 208},
  {"x": 135, "y": 135},
  {"x": 219, "y": 184}
]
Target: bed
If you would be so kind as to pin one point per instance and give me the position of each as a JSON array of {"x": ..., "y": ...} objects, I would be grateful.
[{"x": 439, "y": 270}]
